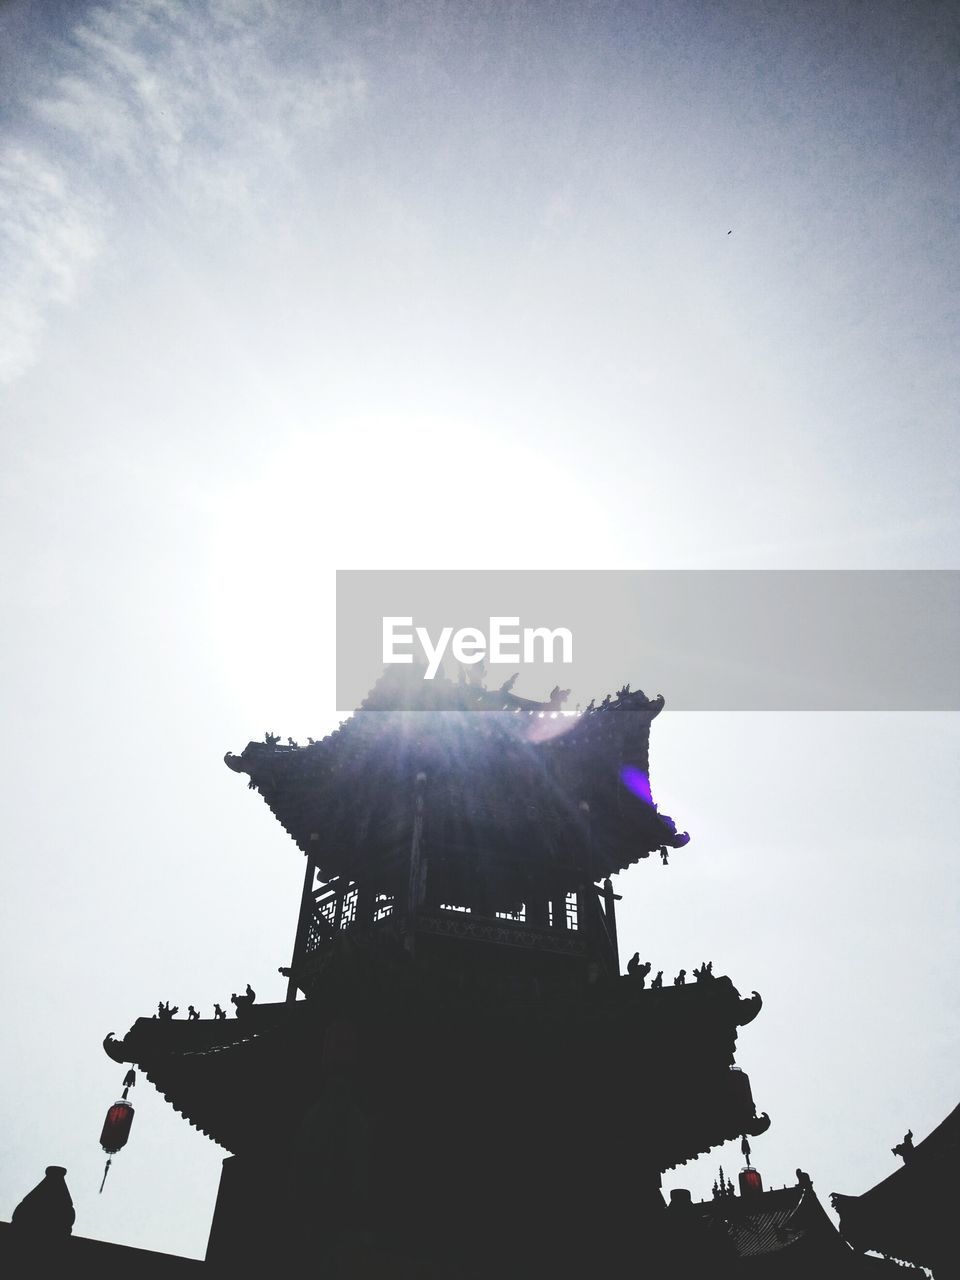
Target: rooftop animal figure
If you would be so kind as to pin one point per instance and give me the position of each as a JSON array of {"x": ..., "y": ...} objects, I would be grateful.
[
  {"x": 508, "y": 684},
  {"x": 657, "y": 983},
  {"x": 680, "y": 979},
  {"x": 904, "y": 1149},
  {"x": 192, "y": 1015},
  {"x": 292, "y": 743},
  {"x": 165, "y": 1012},
  {"x": 218, "y": 1013},
  {"x": 637, "y": 970},
  {"x": 271, "y": 739},
  {"x": 244, "y": 1002}
]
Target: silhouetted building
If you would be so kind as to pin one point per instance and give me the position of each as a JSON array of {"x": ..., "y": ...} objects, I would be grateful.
[
  {"x": 781, "y": 1234},
  {"x": 39, "y": 1241},
  {"x": 910, "y": 1214},
  {"x": 468, "y": 1086}
]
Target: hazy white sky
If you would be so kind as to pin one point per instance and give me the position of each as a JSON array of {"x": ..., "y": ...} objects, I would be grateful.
[{"x": 431, "y": 284}]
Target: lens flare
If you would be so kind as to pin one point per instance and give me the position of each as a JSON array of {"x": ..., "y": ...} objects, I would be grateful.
[{"x": 637, "y": 781}]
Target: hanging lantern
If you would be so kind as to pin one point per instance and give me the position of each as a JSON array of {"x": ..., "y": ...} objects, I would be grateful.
[
  {"x": 740, "y": 1091},
  {"x": 116, "y": 1127},
  {"x": 117, "y": 1124},
  {"x": 751, "y": 1184}
]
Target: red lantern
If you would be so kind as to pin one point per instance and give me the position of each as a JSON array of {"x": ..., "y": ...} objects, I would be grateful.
[
  {"x": 740, "y": 1091},
  {"x": 751, "y": 1184},
  {"x": 116, "y": 1127}
]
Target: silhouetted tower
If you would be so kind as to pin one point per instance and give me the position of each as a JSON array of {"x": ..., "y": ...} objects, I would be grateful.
[{"x": 468, "y": 1087}]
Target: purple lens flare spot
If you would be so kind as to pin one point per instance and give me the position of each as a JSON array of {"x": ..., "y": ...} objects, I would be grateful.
[{"x": 638, "y": 782}]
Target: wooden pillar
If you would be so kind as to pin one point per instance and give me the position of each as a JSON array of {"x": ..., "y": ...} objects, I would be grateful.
[
  {"x": 559, "y": 906},
  {"x": 538, "y": 912},
  {"x": 610, "y": 912},
  {"x": 303, "y": 925},
  {"x": 417, "y": 876}
]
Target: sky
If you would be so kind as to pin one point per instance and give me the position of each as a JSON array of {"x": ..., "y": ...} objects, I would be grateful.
[{"x": 290, "y": 288}]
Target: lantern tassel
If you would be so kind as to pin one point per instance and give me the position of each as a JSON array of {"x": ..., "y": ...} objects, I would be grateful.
[{"x": 105, "y": 1172}]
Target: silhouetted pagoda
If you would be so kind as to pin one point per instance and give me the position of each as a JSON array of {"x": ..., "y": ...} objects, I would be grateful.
[{"x": 468, "y": 1086}]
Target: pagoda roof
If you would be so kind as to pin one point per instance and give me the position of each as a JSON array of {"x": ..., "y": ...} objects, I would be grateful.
[
  {"x": 666, "y": 1054},
  {"x": 503, "y": 772},
  {"x": 785, "y": 1231},
  {"x": 910, "y": 1214}
]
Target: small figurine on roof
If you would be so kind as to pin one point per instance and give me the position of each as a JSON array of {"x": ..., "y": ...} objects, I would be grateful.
[
  {"x": 637, "y": 970},
  {"x": 244, "y": 1002},
  {"x": 904, "y": 1149},
  {"x": 192, "y": 1015},
  {"x": 218, "y": 1013},
  {"x": 165, "y": 1012},
  {"x": 271, "y": 739},
  {"x": 680, "y": 979},
  {"x": 657, "y": 983}
]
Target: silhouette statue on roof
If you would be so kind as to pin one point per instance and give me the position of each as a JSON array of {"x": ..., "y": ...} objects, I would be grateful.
[
  {"x": 165, "y": 1012},
  {"x": 904, "y": 1149},
  {"x": 657, "y": 983},
  {"x": 46, "y": 1211},
  {"x": 192, "y": 1015},
  {"x": 218, "y": 1013},
  {"x": 680, "y": 979},
  {"x": 244, "y": 1002}
]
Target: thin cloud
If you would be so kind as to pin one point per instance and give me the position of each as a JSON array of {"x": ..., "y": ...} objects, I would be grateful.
[{"x": 170, "y": 110}]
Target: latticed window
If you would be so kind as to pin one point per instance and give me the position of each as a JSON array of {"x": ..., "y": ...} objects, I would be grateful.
[
  {"x": 452, "y": 906},
  {"x": 321, "y": 924},
  {"x": 572, "y": 911},
  {"x": 348, "y": 912},
  {"x": 519, "y": 915},
  {"x": 383, "y": 906}
]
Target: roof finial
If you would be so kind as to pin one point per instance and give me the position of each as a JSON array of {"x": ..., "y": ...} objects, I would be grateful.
[{"x": 904, "y": 1149}]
